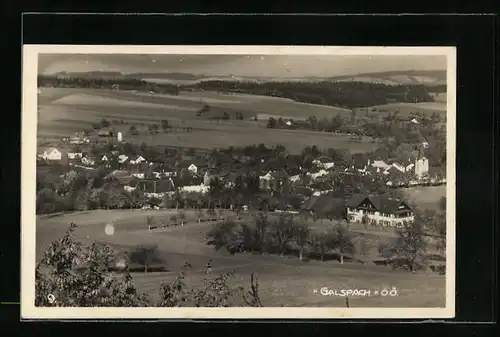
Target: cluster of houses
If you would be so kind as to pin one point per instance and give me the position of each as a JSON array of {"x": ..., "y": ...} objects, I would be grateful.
[
  {"x": 138, "y": 167},
  {"x": 154, "y": 180}
]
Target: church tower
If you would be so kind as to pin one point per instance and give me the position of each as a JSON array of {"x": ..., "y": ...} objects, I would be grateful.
[{"x": 421, "y": 163}]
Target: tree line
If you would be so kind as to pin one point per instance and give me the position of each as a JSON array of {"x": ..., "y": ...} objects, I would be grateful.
[
  {"x": 341, "y": 94},
  {"x": 288, "y": 234},
  {"x": 111, "y": 83}
]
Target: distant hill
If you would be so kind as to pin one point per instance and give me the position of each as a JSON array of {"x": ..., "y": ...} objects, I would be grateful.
[{"x": 423, "y": 77}]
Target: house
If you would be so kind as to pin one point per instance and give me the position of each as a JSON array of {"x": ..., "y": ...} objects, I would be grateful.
[
  {"x": 155, "y": 188},
  {"x": 136, "y": 160},
  {"x": 122, "y": 158},
  {"x": 398, "y": 166},
  {"x": 129, "y": 188},
  {"x": 317, "y": 162},
  {"x": 75, "y": 155},
  {"x": 380, "y": 164},
  {"x": 104, "y": 158},
  {"x": 379, "y": 210},
  {"x": 321, "y": 188},
  {"x": 328, "y": 165},
  {"x": 325, "y": 206},
  {"x": 52, "y": 154},
  {"x": 323, "y": 164},
  {"x": 409, "y": 167},
  {"x": 271, "y": 178},
  {"x": 105, "y": 133},
  {"x": 318, "y": 174},
  {"x": 265, "y": 181},
  {"x": 139, "y": 175},
  {"x": 195, "y": 189},
  {"x": 193, "y": 169},
  {"x": 87, "y": 161},
  {"x": 395, "y": 177}
]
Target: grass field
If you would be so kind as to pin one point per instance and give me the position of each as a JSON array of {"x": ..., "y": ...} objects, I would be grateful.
[
  {"x": 425, "y": 197},
  {"x": 283, "y": 281},
  {"x": 65, "y": 111},
  {"x": 408, "y": 109}
]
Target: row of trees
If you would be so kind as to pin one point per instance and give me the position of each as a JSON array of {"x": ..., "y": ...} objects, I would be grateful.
[
  {"x": 289, "y": 234},
  {"x": 209, "y": 112},
  {"x": 101, "y": 81},
  {"x": 79, "y": 276},
  {"x": 342, "y": 94}
]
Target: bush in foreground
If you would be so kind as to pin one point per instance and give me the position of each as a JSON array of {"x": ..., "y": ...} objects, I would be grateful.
[{"x": 79, "y": 276}]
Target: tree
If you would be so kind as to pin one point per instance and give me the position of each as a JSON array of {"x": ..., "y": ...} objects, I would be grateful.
[
  {"x": 105, "y": 123},
  {"x": 261, "y": 228},
  {"x": 323, "y": 242},
  {"x": 252, "y": 297},
  {"x": 342, "y": 242},
  {"x": 410, "y": 247},
  {"x": 271, "y": 123},
  {"x": 216, "y": 292},
  {"x": 75, "y": 276},
  {"x": 164, "y": 125},
  {"x": 282, "y": 232},
  {"x": 133, "y": 130},
  {"x": 199, "y": 214},
  {"x": 222, "y": 235},
  {"x": 182, "y": 217},
  {"x": 79, "y": 276},
  {"x": 150, "y": 221},
  {"x": 145, "y": 255},
  {"x": 301, "y": 236}
]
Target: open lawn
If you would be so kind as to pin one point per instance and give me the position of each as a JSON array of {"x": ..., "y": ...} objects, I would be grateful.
[
  {"x": 79, "y": 109},
  {"x": 425, "y": 196},
  {"x": 283, "y": 281},
  {"x": 407, "y": 109}
]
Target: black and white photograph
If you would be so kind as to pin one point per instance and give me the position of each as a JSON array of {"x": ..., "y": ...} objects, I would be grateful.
[{"x": 238, "y": 182}]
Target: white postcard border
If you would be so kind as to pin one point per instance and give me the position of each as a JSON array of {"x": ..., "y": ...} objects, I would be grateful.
[{"x": 28, "y": 197}]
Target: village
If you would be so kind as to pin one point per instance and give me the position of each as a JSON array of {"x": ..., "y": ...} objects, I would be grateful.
[{"x": 329, "y": 184}]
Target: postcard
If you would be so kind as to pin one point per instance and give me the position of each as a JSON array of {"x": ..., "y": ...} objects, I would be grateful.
[{"x": 238, "y": 182}]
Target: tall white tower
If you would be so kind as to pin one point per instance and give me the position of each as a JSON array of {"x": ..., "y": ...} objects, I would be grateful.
[
  {"x": 421, "y": 165},
  {"x": 120, "y": 137}
]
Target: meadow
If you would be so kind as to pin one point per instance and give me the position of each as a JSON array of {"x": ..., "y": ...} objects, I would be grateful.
[
  {"x": 65, "y": 111},
  {"x": 426, "y": 197},
  {"x": 407, "y": 110},
  {"x": 283, "y": 281}
]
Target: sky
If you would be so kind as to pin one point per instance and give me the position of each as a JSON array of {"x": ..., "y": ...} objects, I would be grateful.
[{"x": 240, "y": 65}]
